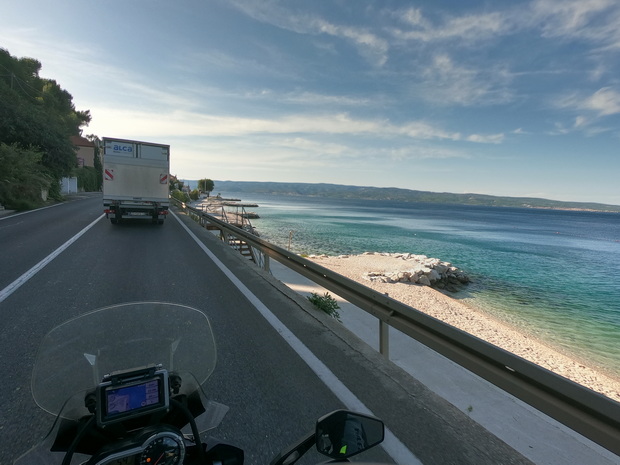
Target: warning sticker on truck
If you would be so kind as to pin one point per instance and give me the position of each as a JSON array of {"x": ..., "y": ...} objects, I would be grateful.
[{"x": 109, "y": 174}]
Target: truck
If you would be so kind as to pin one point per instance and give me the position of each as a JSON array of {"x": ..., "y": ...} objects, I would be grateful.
[{"x": 135, "y": 180}]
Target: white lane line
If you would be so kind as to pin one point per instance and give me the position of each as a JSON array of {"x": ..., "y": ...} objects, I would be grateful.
[
  {"x": 391, "y": 444},
  {"x": 7, "y": 291},
  {"x": 29, "y": 211},
  {"x": 13, "y": 215}
]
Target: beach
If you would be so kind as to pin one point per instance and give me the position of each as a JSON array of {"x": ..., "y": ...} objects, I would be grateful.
[{"x": 453, "y": 312}]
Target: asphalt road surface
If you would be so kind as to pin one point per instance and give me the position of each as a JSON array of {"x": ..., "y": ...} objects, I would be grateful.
[{"x": 273, "y": 395}]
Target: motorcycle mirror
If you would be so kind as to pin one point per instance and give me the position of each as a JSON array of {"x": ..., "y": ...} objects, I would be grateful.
[{"x": 343, "y": 434}]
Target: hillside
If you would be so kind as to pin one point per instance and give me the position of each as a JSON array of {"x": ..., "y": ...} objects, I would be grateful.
[{"x": 401, "y": 195}]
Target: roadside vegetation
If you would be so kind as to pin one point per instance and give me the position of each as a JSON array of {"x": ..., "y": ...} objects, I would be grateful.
[
  {"x": 325, "y": 303},
  {"x": 206, "y": 185},
  {"x": 179, "y": 192},
  {"x": 37, "y": 119},
  {"x": 176, "y": 189}
]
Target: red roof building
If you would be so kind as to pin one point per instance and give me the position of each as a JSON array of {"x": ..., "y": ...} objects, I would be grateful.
[{"x": 85, "y": 151}]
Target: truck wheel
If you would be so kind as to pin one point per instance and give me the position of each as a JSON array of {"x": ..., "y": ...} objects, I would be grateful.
[
  {"x": 113, "y": 220},
  {"x": 160, "y": 222}
]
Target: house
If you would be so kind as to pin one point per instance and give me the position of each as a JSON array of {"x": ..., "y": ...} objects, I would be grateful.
[{"x": 85, "y": 151}]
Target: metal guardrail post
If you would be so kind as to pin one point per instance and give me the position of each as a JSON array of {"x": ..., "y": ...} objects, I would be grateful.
[
  {"x": 384, "y": 339},
  {"x": 589, "y": 413},
  {"x": 266, "y": 266}
]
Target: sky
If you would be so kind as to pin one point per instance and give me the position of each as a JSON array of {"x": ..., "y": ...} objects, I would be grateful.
[{"x": 518, "y": 98}]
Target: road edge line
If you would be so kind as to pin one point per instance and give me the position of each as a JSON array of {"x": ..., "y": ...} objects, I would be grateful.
[{"x": 391, "y": 444}]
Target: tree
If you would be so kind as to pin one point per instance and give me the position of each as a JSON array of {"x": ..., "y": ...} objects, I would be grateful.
[
  {"x": 206, "y": 185},
  {"x": 98, "y": 165},
  {"x": 38, "y": 114},
  {"x": 175, "y": 183},
  {"x": 22, "y": 177}
]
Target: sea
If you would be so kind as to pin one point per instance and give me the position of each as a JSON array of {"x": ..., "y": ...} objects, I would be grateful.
[{"x": 553, "y": 274}]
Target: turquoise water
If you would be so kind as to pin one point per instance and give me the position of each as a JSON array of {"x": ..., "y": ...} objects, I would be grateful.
[{"x": 555, "y": 274}]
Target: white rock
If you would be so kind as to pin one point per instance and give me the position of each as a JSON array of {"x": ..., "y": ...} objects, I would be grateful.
[
  {"x": 433, "y": 276},
  {"x": 424, "y": 280},
  {"x": 441, "y": 269}
]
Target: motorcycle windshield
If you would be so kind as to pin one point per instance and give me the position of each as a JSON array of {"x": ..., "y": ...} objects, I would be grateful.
[{"x": 75, "y": 356}]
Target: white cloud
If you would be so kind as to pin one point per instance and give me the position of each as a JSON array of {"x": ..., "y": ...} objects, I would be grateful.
[
  {"x": 567, "y": 17},
  {"x": 448, "y": 83},
  {"x": 593, "y": 21},
  {"x": 580, "y": 121},
  {"x": 425, "y": 131},
  {"x": 486, "y": 139},
  {"x": 374, "y": 48},
  {"x": 179, "y": 123},
  {"x": 603, "y": 102},
  {"x": 588, "y": 19},
  {"x": 369, "y": 45},
  {"x": 418, "y": 153},
  {"x": 414, "y": 17},
  {"x": 467, "y": 28},
  {"x": 315, "y": 99}
]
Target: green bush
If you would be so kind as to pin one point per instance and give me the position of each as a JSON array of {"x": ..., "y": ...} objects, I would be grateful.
[
  {"x": 325, "y": 303},
  {"x": 24, "y": 204},
  {"x": 87, "y": 179},
  {"x": 195, "y": 194},
  {"x": 54, "y": 191},
  {"x": 180, "y": 196},
  {"x": 22, "y": 177}
]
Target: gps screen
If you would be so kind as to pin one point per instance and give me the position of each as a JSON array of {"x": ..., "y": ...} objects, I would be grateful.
[{"x": 129, "y": 398}]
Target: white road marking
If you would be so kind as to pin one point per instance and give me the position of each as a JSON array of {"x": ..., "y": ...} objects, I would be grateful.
[
  {"x": 29, "y": 211},
  {"x": 7, "y": 291},
  {"x": 391, "y": 444}
]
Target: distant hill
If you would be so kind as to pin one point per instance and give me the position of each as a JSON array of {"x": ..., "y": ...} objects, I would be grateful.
[{"x": 401, "y": 195}]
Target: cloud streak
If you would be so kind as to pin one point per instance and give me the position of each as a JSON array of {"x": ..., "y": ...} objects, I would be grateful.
[
  {"x": 369, "y": 45},
  {"x": 469, "y": 28},
  {"x": 603, "y": 102},
  {"x": 179, "y": 123}
]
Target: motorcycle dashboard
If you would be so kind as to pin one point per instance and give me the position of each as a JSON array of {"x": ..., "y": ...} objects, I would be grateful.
[
  {"x": 165, "y": 447},
  {"x": 129, "y": 395}
]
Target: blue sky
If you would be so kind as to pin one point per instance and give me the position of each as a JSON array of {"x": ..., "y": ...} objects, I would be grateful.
[{"x": 518, "y": 98}]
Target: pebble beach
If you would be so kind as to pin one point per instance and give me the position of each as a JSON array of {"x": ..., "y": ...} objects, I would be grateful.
[{"x": 456, "y": 313}]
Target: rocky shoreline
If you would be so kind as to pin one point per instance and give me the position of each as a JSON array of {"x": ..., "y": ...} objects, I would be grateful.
[
  {"x": 454, "y": 312},
  {"x": 414, "y": 269}
]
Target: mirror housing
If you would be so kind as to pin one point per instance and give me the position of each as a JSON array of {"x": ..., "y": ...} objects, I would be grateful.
[{"x": 343, "y": 434}]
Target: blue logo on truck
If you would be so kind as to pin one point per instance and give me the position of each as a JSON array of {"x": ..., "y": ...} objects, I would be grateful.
[{"x": 123, "y": 148}]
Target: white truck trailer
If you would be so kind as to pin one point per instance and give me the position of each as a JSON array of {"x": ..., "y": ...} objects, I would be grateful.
[{"x": 135, "y": 180}]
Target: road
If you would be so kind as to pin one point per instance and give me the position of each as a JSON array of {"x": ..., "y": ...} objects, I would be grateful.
[{"x": 273, "y": 395}]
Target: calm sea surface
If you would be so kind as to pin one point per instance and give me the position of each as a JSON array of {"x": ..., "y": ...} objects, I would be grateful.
[{"x": 552, "y": 273}]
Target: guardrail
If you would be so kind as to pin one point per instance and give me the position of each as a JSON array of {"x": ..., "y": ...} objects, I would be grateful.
[{"x": 591, "y": 414}]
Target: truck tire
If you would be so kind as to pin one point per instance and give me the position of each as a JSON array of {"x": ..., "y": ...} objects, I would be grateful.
[{"x": 113, "y": 220}]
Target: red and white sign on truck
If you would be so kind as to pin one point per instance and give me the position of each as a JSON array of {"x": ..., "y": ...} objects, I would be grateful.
[{"x": 136, "y": 176}]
